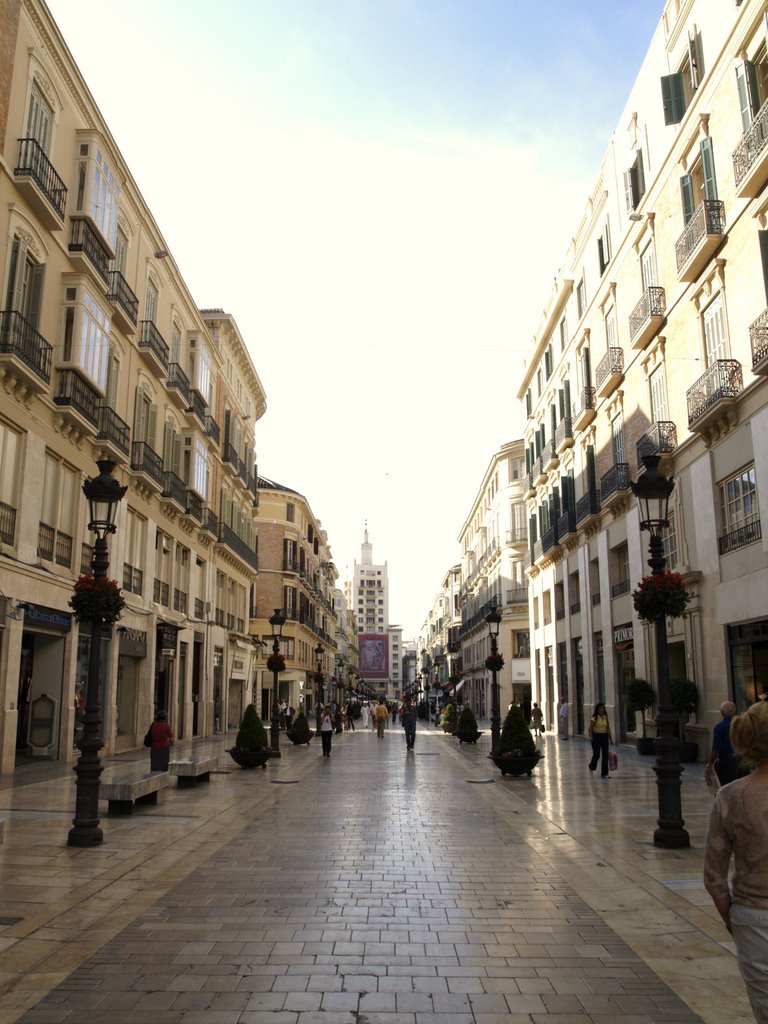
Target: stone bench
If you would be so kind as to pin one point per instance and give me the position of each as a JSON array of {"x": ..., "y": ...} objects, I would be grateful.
[
  {"x": 124, "y": 787},
  {"x": 191, "y": 770}
]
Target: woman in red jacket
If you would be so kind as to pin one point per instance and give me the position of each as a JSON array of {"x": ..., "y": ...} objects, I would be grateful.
[{"x": 162, "y": 737}]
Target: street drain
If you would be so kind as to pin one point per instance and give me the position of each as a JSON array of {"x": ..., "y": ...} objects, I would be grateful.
[{"x": 480, "y": 782}]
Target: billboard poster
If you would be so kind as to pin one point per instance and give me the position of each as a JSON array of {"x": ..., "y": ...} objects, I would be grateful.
[{"x": 374, "y": 655}]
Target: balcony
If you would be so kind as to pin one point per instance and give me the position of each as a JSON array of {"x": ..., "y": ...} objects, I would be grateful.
[
  {"x": 42, "y": 187},
  {"x": 229, "y": 456},
  {"x": 538, "y": 474},
  {"x": 575, "y": 608},
  {"x": 750, "y": 158},
  {"x": 748, "y": 533},
  {"x": 563, "y": 435},
  {"x": 517, "y": 538},
  {"x": 253, "y": 487},
  {"x": 7, "y": 524},
  {"x": 113, "y": 433},
  {"x": 24, "y": 354},
  {"x": 714, "y": 394},
  {"x": 228, "y": 537},
  {"x": 194, "y": 506},
  {"x": 537, "y": 553},
  {"x": 78, "y": 400},
  {"x": 517, "y": 595},
  {"x": 88, "y": 250},
  {"x": 609, "y": 373},
  {"x": 152, "y": 344},
  {"x": 701, "y": 238},
  {"x": 566, "y": 524},
  {"x": 615, "y": 484},
  {"x": 549, "y": 459},
  {"x": 528, "y": 489},
  {"x": 622, "y": 587},
  {"x": 659, "y": 439},
  {"x": 54, "y": 546},
  {"x": 198, "y": 407},
  {"x": 648, "y": 317},
  {"x": 124, "y": 302},
  {"x": 242, "y": 472},
  {"x": 583, "y": 409},
  {"x": 549, "y": 540},
  {"x": 174, "y": 490},
  {"x": 146, "y": 461},
  {"x": 86, "y": 559},
  {"x": 758, "y": 339},
  {"x": 209, "y": 522},
  {"x": 177, "y": 385},
  {"x": 588, "y": 508}
]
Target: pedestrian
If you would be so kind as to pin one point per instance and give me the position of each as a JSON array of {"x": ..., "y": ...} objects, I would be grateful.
[
  {"x": 381, "y": 714},
  {"x": 289, "y": 713},
  {"x": 162, "y": 738},
  {"x": 408, "y": 716},
  {"x": 365, "y": 714},
  {"x": 564, "y": 710},
  {"x": 738, "y": 827},
  {"x": 393, "y": 710},
  {"x": 722, "y": 760},
  {"x": 600, "y": 735},
  {"x": 350, "y": 716},
  {"x": 326, "y": 729},
  {"x": 537, "y": 717},
  {"x": 282, "y": 714}
]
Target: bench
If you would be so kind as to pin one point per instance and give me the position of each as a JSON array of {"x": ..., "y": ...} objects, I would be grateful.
[
  {"x": 124, "y": 787},
  {"x": 191, "y": 770}
]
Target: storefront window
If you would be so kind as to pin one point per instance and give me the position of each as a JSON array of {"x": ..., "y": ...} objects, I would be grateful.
[{"x": 749, "y": 662}]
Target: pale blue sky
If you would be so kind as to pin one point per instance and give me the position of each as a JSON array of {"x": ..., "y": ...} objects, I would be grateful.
[{"x": 380, "y": 192}]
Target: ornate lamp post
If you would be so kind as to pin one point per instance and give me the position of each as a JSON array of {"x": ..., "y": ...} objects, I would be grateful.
[
  {"x": 653, "y": 491},
  {"x": 319, "y": 673},
  {"x": 276, "y": 621},
  {"x": 103, "y": 494},
  {"x": 494, "y": 623},
  {"x": 454, "y": 648}
]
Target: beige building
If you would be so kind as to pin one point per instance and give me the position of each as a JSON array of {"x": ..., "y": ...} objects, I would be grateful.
[
  {"x": 297, "y": 575},
  {"x": 104, "y": 354},
  {"x": 654, "y": 341},
  {"x": 493, "y": 541}
]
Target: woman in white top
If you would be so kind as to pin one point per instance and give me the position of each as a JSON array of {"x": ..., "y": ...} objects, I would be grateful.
[
  {"x": 326, "y": 729},
  {"x": 365, "y": 714}
]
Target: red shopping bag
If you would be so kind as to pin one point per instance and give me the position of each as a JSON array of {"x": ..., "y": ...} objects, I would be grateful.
[{"x": 613, "y": 760}]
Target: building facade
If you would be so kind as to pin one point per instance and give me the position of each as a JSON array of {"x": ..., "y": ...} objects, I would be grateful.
[
  {"x": 104, "y": 355},
  {"x": 369, "y": 599},
  {"x": 654, "y": 342}
]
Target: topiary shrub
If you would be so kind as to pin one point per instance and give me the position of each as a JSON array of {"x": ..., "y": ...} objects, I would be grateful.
[
  {"x": 467, "y": 722},
  {"x": 448, "y": 718},
  {"x": 516, "y": 738},
  {"x": 640, "y": 696},
  {"x": 252, "y": 735},
  {"x": 422, "y": 710},
  {"x": 684, "y": 698},
  {"x": 300, "y": 732}
]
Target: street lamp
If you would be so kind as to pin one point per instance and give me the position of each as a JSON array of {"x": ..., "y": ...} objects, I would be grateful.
[
  {"x": 319, "y": 673},
  {"x": 454, "y": 648},
  {"x": 653, "y": 491},
  {"x": 276, "y": 621},
  {"x": 103, "y": 494},
  {"x": 494, "y": 623}
]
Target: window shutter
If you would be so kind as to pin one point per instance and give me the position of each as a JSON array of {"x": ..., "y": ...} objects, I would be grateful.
[
  {"x": 628, "y": 199},
  {"x": 673, "y": 98},
  {"x": 34, "y": 294},
  {"x": 746, "y": 85},
  {"x": 140, "y": 416},
  {"x": 168, "y": 446},
  {"x": 16, "y": 280},
  {"x": 567, "y": 397},
  {"x": 533, "y": 534},
  {"x": 763, "y": 239},
  {"x": 176, "y": 454},
  {"x": 553, "y": 419},
  {"x": 151, "y": 425},
  {"x": 708, "y": 169},
  {"x": 686, "y": 191},
  {"x": 601, "y": 255},
  {"x": 528, "y": 402},
  {"x": 640, "y": 175},
  {"x": 586, "y": 365},
  {"x": 591, "y": 469},
  {"x": 695, "y": 58}
]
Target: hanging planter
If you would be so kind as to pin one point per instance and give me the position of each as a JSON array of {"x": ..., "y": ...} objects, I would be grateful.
[
  {"x": 318, "y": 677},
  {"x": 96, "y": 599},
  {"x": 276, "y": 663},
  {"x": 494, "y": 662},
  {"x": 659, "y": 596}
]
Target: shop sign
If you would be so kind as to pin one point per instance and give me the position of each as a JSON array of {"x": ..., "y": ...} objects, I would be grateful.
[
  {"x": 167, "y": 640},
  {"x": 133, "y": 642},
  {"x": 50, "y": 618},
  {"x": 624, "y": 637}
]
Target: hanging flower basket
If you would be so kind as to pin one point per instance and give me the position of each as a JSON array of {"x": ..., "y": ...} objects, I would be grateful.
[
  {"x": 96, "y": 599},
  {"x": 661, "y": 596},
  {"x": 454, "y": 679},
  {"x": 494, "y": 662},
  {"x": 276, "y": 663},
  {"x": 319, "y": 677}
]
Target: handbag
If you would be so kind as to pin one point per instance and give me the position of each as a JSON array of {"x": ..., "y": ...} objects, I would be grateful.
[
  {"x": 148, "y": 737},
  {"x": 613, "y": 760}
]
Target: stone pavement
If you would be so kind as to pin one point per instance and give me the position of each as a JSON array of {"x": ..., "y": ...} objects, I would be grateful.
[{"x": 373, "y": 887}]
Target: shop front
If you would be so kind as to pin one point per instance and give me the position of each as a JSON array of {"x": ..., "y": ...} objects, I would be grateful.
[
  {"x": 165, "y": 664},
  {"x": 45, "y": 705},
  {"x": 748, "y": 643},
  {"x": 131, "y": 652},
  {"x": 624, "y": 656}
]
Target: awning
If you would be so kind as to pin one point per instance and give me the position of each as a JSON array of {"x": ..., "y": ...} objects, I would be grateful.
[{"x": 448, "y": 687}]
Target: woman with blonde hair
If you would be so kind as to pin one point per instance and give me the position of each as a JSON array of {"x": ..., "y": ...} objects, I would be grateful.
[{"x": 738, "y": 827}]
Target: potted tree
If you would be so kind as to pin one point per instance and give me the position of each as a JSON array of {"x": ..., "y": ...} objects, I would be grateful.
[
  {"x": 517, "y": 753},
  {"x": 251, "y": 749},
  {"x": 300, "y": 733},
  {"x": 466, "y": 727},
  {"x": 641, "y": 696},
  {"x": 684, "y": 698},
  {"x": 448, "y": 718},
  {"x": 423, "y": 711}
]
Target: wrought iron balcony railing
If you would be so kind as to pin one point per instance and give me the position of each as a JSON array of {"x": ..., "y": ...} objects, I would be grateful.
[
  {"x": 112, "y": 429},
  {"x": 19, "y": 339},
  {"x": 86, "y": 239},
  {"x": 653, "y": 303},
  {"x": 174, "y": 488},
  {"x": 197, "y": 406},
  {"x": 7, "y": 524},
  {"x": 708, "y": 219},
  {"x": 150, "y": 339},
  {"x": 178, "y": 381},
  {"x": 758, "y": 339},
  {"x": 53, "y": 545},
  {"x": 195, "y": 506},
  {"x": 747, "y": 533},
  {"x": 228, "y": 536},
  {"x": 120, "y": 292},
  {"x": 566, "y": 523},
  {"x": 212, "y": 429},
  {"x": 588, "y": 505},
  {"x": 145, "y": 459},
  {"x": 549, "y": 539},
  {"x": 722, "y": 380},
  {"x": 229, "y": 455},
  {"x": 611, "y": 363},
  {"x": 659, "y": 439},
  {"x": 210, "y": 521},
  {"x": 34, "y": 164},
  {"x": 752, "y": 145},
  {"x": 74, "y": 392},
  {"x": 564, "y": 432},
  {"x": 622, "y": 587},
  {"x": 616, "y": 480},
  {"x": 584, "y": 403}
]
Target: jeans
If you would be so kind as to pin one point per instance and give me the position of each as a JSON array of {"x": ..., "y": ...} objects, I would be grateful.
[
  {"x": 599, "y": 747},
  {"x": 380, "y": 726},
  {"x": 410, "y": 734},
  {"x": 327, "y": 738},
  {"x": 750, "y": 933}
]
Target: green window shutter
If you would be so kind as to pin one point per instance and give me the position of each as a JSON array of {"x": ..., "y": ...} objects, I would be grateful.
[
  {"x": 553, "y": 419},
  {"x": 696, "y": 59},
  {"x": 34, "y": 294},
  {"x": 686, "y": 192},
  {"x": 673, "y": 98},
  {"x": 151, "y": 425},
  {"x": 640, "y": 174},
  {"x": 763, "y": 239},
  {"x": 528, "y": 402},
  {"x": 591, "y": 469},
  {"x": 16, "y": 280},
  {"x": 601, "y": 255},
  {"x": 140, "y": 416},
  {"x": 746, "y": 86},
  {"x": 555, "y": 506},
  {"x": 533, "y": 535},
  {"x": 708, "y": 169},
  {"x": 567, "y": 398}
]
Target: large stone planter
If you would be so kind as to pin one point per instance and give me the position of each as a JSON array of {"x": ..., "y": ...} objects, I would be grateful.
[
  {"x": 468, "y": 737},
  {"x": 516, "y": 765},
  {"x": 250, "y": 758}
]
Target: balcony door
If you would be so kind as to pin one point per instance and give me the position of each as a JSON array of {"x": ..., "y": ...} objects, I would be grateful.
[{"x": 714, "y": 332}]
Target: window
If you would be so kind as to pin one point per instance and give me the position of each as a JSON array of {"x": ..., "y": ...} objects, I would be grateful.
[
  {"x": 714, "y": 331},
  {"x": 121, "y": 251},
  {"x": 738, "y": 499},
  {"x": 563, "y": 334},
  {"x": 200, "y": 368},
  {"x": 622, "y": 569},
  {"x": 617, "y": 430},
  {"x": 39, "y": 119},
  {"x": 174, "y": 352},
  {"x": 700, "y": 183},
  {"x": 634, "y": 182},
  {"x": 162, "y": 587},
  {"x": 648, "y": 267},
  {"x": 86, "y": 334},
  {"x": 670, "y": 543},
  {"x": 10, "y": 450},
  {"x": 181, "y": 578},
  {"x": 97, "y": 190},
  {"x": 658, "y": 389},
  {"x": 677, "y": 90},
  {"x": 145, "y": 417},
  {"x": 25, "y": 283},
  {"x": 135, "y": 548},
  {"x": 150, "y": 303},
  {"x": 752, "y": 85},
  {"x": 604, "y": 250},
  {"x": 196, "y": 465},
  {"x": 581, "y": 298},
  {"x": 57, "y": 513},
  {"x": 611, "y": 328},
  {"x": 172, "y": 446}
]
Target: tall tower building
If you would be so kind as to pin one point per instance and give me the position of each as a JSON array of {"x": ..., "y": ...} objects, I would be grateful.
[{"x": 370, "y": 601}]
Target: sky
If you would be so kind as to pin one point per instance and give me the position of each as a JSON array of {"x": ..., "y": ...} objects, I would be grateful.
[{"x": 380, "y": 192}]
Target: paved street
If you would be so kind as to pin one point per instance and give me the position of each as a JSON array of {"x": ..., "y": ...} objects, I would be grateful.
[{"x": 374, "y": 887}]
